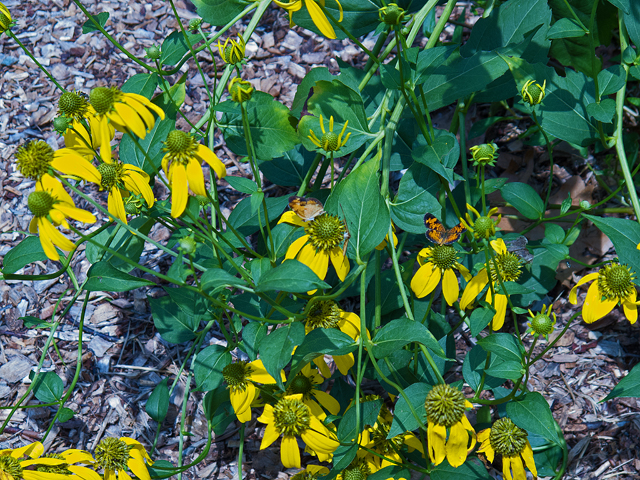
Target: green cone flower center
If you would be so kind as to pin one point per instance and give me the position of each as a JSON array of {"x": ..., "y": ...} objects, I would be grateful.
[
  {"x": 180, "y": 146},
  {"x": 508, "y": 265},
  {"x": 57, "y": 469},
  {"x": 72, "y": 105},
  {"x": 103, "y": 98},
  {"x": 112, "y": 454},
  {"x": 358, "y": 471},
  {"x": 10, "y": 466},
  {"x": 445, "y": 405},
  {"x": 111, "y": 174},
  {"x": 444, "y": 256},
  {"x": 235, "y": 374},
  {"x": 507, "y": 438},
  {"x": 324, "y": 314},
  {"x": 304, "y": 475},
  {"x": 301, "y": 384},
  {"x": 326, "y": 232},
  {"x": 615, "y": 281},
  {"x": 291, "y": 417},
  {"x": 392, "y": 14},
  {"x": 34, "y": 158},
  {"x": 483, "y": 227},
  {"x": 330, "y": 142},
  {"x": 535, "y": 92},
  {"x": 40, "y": 203},
  {"x": 542, "y": 324}
]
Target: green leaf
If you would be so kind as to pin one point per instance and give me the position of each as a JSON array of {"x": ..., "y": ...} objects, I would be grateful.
[
  {"x": 565, "y": 28},
  {"x": 397, "y": 333},
  {"x": 513, "y": 288},
  {"x": 89, "y": 26},
  {"x": 219, "y": 12},
  {"x": 191, "y": 303},
  {"x": 359, "y": 17},
  {"x": 290, "y": 169},
  {"x": 480, "y": 318},
  {"x": 209, "y": 365},
  {"x": 241, "y": 184},
  {"x": 403, "y": 418},
  {"x": 603, "y": 111},
  {"x": 215, "y": 278},
  {"x": 441, "y": 157},
  {"x": 625, "y": 235},
  {"x": 152, "y": 145},
  {"x": 473, "y": 367},
  {"x": 246, "y": 222},
  {"x": 629, "y": 386},
  {"x": 396, "y": 472},
  {"x": 329, "y": 100},
  {"x": 276, "y": 348},
  {"x": 157, "y": 405},
  {"x": 172, "y": 323},
  {"x": 175, "y": 47},
  {"x": 472, "y": 469},
  {"x": 415, "y": 198},
  {"x": 270, "y": 123},
  {"x": 252, "y": 335},
  {"x": 611, "y": 80},
  {"x": 524, "y": 199},
  {"x": 162, "y": 469},
  {"x": 533, "y": 414},
  {"x": 369, "y": 412},
  {"x": 141, "y": 83},
  {"x": 318, "y": 342},
  {"x": 103, "y": 276},
  {"x": 358, "y": 198},
  {"x": 624, "y": 5},
  {"x": 290, "y": 276},
  {"x": 65, "y": 414},
  {"x": 553, "y": 233},
  {"x": 27, "y": 251},
  {"x": 506, "y": 369},
  {"x": 504, "y": 345},
  {"x": 48, "y": 387},
  {"x": 632, "y": 22}
]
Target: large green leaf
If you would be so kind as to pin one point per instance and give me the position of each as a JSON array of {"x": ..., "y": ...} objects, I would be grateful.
[
  {"x": 344, "y": 104},
  {"x": 27, "y": 251},
  {"x": 172, "y": 323},
  {"x": 48, "y": 387},
  {"x": 209, "y": 365},
  {"x": 141, "y": 83},
  {"x": 524, "y": 198},
  {"x": 271, "y": 126},
  {"x": 441, "y": 156},
  {"x": 404, "y": 419},
  {"x": 533, "y": 414},
  {"x": 473, "y": 368},
  {"x": 290, "y": 169},
  {"x": 369, "y": 412},
  {"x": 358, "y": 198},
  {"x": 244, "y": 220},
  {"x": 103, "y": 276},
  {"x": 625, "y": 235},
  {"x": 397, "y": 333},
  {"x": 629, "y": 386},
  {"x": 151, "y": 145},
  {"x": 157, "y": 405},
  {"x": 504, "y": 345},
  {"x": 277, "y": 347},
  {"x": 290, "y": 276},
  {"x": 175, "y": 46},
  {"x": 219, "y": 12},
  {"x": 319, "y": 342},
  {"x": 414, "y": 198},
  {"x": 123, "y": 242},
  {"x": 472, "y": 469}
]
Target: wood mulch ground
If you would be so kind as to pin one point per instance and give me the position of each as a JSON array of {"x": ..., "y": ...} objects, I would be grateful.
[{"x": 124, "y": 358}]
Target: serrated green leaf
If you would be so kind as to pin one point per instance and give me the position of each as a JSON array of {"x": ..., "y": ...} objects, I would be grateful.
[
  {"x": 603, "y": 111},
  {"x": 277, "y": 347},
  {"x": 141, "y": 83},
  {"x": 398, "y": 333},
  {"x": 415, "y": 198},
  {"x": 89, "y": 26},
  {"x": 172, "y": 323},
  {"x": 103, "y": 276},
  {"x": 241, "y": 184},
  {"x": 533, "y": 414},
  {"x": 403, "y": 418},
  {"x": 48, "y": 387},
  {"x": 318, "y": 342}
]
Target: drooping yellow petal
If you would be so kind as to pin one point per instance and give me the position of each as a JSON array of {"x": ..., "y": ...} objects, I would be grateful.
[
  {"x": 137, "y": 466},
  {"x": 55, "y": 236},
  {"x": 259, "y": 373},
  {"x": 322, "y": 366},
  {"x": 316, "y": 261},
  {"x": 340, "y": 262},
  {"x": 630, "y": 308},
  {"x": 594, "y": 308},
  {"x": 573, "y": 294},
  {"x": 457, "y": 445},
  {"x": 318, "y": 438},
  {"x": 180, "y": 193},
  {"x": 196, "y": 177},
  {"x": 212, "y": 159},
  {"x": 344, "y": 362},
  {"x": 436, "y": 438},
  {"x": 105, "y": 140},
  {"x": 115, "y": 205},
  {"x": 69, "y": 162},
  {"x": 142, "y": 111},
  {"x": 139, "y": 185},
  {"x": 45, "y": 240},
  {"x": 241, "y": 401},
  {"x": 84, "y": 473},
  {"x": 75, "y": 213},
  {"x": 294, "y": 248},
  {"x": 319, "y": 19},
  {"x": 425, "y": 280},
  {"x": 292, "y": 218},
  {"x": 146, "y": 102},
  {"x": 473, "y": 288},
  {"x": 450, "y": 287},
  {"x": 289, "y": 452},
  {"x": 527, "y": 456},
  {"x": 501, "y": 309},
  {"x": 499, "y": 246},
  {"x": 32, "y": 450},
  {"x": 350, "y": 324},
  {"x": 270, "y": 435},
  {"x": 131, "y": 119},
  {"x": 327, "y": 401}
]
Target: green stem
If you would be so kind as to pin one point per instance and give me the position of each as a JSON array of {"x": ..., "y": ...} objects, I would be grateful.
[{"x": 46, "y": 72}]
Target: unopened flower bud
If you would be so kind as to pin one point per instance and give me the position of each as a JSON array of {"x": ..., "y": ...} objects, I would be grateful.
[
  {"x": 153, "y": 52},
  {"x": 187, "y": 245},
  {"x": 485, "y": 154},
  {"x": 240, "y": 90},
  {"x": 232, "y": 52},
  {"x": 392, "y": 14},
  {"x": 533, "y": 93},
  {"x": 194, "y": 24},
  {"x": 60, "y": 124},
  {"x": 585, "y": 205}
]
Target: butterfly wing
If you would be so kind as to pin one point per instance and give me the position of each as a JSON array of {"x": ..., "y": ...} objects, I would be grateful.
[
  {"x": 306, "y": 208},
  {"x": 436, "y": 232}
]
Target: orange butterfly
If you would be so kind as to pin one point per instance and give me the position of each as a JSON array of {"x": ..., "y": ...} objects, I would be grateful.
[
  {"x": 306, "y": 208},
  {"x": 436, "y": 232}
]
